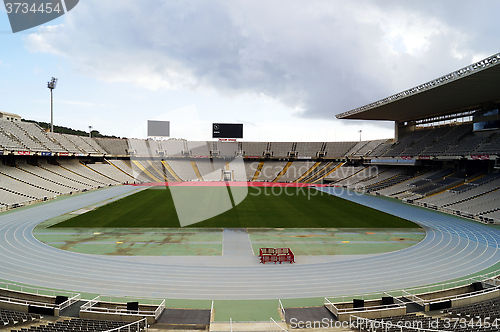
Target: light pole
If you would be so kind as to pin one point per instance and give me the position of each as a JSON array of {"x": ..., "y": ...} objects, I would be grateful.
[
  {"x": 360, "y": 131},
  {"x": 90, "y": 131},
  {"x": 52, "y": 85}
]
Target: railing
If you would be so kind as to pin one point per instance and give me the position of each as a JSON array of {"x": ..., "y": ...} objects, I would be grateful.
[
  {"x": 72, "y": 297},
  {"x": 282, "y": 309},
  {"x": 127, "y": 327},
  {"x": 122, "y": 310},
  {"x": 70, "y": 301},
  {"x": 414, "y": 294},
  {"x": 275, "y": 326},
  {"x": 374, "y": 325}
]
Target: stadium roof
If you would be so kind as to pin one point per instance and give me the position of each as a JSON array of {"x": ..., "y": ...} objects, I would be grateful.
[{"x": 466, "y": 88}]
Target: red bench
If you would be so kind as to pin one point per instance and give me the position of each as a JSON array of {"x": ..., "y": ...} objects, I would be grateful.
[{"x": 276, "y": 255}]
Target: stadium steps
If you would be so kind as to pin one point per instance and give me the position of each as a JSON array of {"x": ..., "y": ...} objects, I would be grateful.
[
  {"x": 34, "y": 185},
  {"x": 31, "y": 136},
  {"x": 145, "y": 171},
  {"x": 158, "y": 172},
  {"x": 14, "y": 138},
  {"x": 93, "y": 170},
  {"x": 67, "y": 178},
  {"x": 472, "y": 197},
  {"x": 197, "y": 171},
  {"x": 20, "y": 193},
  {"x": 325, "y": 174},
  {"x": 47, "y": 179},
  {"x": 322, "y": 167},
  {"x": 83, "y": 176},
  {"x": 257, "y": 171},
  {"x": 118, "y": 168},
  {"x": 320, "y": 174},
  {"x": 171, "y": 171},
  {"x": 309, "y": 171},
  {"x": 283, "y": 171}
]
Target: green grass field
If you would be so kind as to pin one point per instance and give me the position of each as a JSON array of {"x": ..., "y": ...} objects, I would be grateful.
[{"x": 306, "y": 208}]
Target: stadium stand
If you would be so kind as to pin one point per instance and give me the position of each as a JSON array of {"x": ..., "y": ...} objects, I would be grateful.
[
  {"x": 296, "y": 170},
  {"x": 184, "y": 169},
  {"x": 38, "y": 134},
  {"x": 10, "y": 318},
  {"x": 22, "y": 137},
  {"x": 111, "y": 172},
  {"x": 199, "y": 148},
  {"x": 338, "y": 149},
  {"x": 254, "y": 149},
  {"x": 113, "y": 146},
  {"x": 465, "y": 146},
  {"x": 78, "y": 324},
  {"x": 270, "y": 170},
  {"x": 343, "y": 172},
  {"x": 174, "y": 147},
  {"x": 366, "y": 148},
  {"x": 381, "y": 149},
  {"x": 281, "y": 149},
  {"x": 38, "y": 182},
  {"x": 64, "y": 142},
  {"x": 308, "y": 149},
  {"x": 445, "y": 141},
  {"x": 490, "y": 146},
  {"x": 250, "y": 169},
  {"x": 78, "y": 168},
  {"x": 405, "y": 142},
  {"x": 227, "y": 149}
]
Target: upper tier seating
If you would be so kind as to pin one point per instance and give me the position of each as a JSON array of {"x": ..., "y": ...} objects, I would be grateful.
[
  {"x": 174, "y": 147},
  {"x": 114, "y": 146},
  {"x": 405, "y": 142},
  {"x": 465, "y": 146},
  {"x": 199, "y": 148},
  {"x": 255, "y": 149},
  {"x": 338, "y": 149},
  {"x": 17, "y": 134},
  {"x": 308, "y": 149},
  {"x": 227, "y": 149},
  {"x": 367, "y": 148},
  {"x": 445, "y": 141},
  {"x": 65, "y": 142},
  {"x": 38, "y": 134},
  {"x": 281, "y": 149},
  {"x": 490, "y": 146}
]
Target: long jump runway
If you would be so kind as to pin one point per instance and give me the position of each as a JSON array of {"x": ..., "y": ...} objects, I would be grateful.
[{"x": 451, "y": 249}]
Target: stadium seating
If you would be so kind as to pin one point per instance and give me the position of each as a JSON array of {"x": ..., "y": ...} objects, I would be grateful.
[
  {"x": 113, "y": 146},
  {"x": 199, "y": 148},
  {"x": 296, "y": 170},
  {"x": 64, "y": 142},
  {"x": 308, "y": 149},
  {"x": 254, "y": 149},
  {"x": 338, "y": 149},
  {"x": 10, "y": 318},
  {"x": 270, "y": 170},
  {"x": 38, "y": 134},
  {"x": 16, "y": 133},
  {"x": 445, "y": 141},
  {"x": 78, "y": 324},
  {"x": 281, "y": 149},
  {"x": 174, "y": 148},
  {"x": 183, "y": 169},
  {"x": 111, "y": 172}
]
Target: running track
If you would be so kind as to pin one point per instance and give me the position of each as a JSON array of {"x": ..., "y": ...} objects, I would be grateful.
[{"x": 452, "y": 248}]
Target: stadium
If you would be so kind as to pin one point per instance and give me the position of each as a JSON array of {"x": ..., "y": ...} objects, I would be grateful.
[{"x": 392, "y": 230}]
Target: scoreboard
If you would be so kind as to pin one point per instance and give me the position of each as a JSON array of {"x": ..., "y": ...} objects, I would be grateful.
[{"x": 227, "y": 130}]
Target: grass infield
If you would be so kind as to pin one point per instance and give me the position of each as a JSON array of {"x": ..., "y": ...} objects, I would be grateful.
[{"x": 262, "y": 207}]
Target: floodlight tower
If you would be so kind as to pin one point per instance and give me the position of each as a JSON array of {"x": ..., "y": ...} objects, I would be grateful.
[
  {"x": 52, "y": 85},
  {"x": 90, "y": 131},
  {"x": 360, "y": 131}
]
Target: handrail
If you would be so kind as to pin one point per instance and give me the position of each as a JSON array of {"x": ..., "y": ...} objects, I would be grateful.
[
  {"x": 282, "y": 309},
  {"x": 137, "y": 323}
]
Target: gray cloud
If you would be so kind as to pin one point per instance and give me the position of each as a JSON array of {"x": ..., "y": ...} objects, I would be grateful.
[{"x": 317, "y": 57}]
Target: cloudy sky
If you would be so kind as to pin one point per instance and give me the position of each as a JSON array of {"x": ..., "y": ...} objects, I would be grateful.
[{"x": 283, "y": 68}]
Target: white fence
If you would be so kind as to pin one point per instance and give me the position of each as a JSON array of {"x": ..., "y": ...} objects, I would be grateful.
[
  {"x": 117, "y": 306},
  {"x": 135, "y": 326}
]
